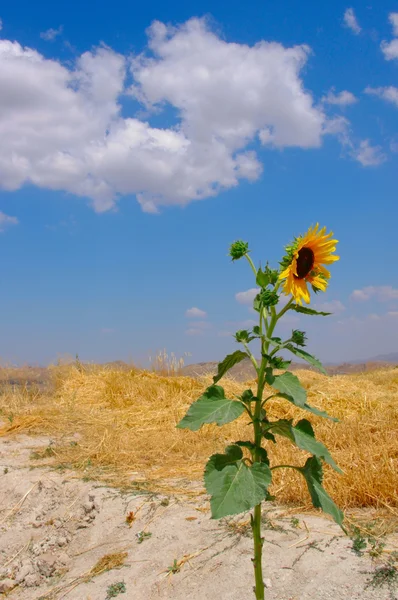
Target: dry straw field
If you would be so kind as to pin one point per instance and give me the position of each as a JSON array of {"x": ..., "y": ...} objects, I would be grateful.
[{"x": 118, "y": 425}]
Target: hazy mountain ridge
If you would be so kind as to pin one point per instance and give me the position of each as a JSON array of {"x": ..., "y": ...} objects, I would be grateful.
[{"x": 245, "y": 370}]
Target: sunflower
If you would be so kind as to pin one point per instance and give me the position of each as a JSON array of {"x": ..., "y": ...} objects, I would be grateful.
[{"x": 304, "y": 262}]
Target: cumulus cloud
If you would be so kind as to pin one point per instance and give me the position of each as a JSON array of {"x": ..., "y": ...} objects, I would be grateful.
[
  {"x": 247, "y": 297},
  {"x": 390, "y": 49},
  {"x": 368, "y": 155},
  {"x": 195, "y": 313},
  {"x": 351, "y": 21},
  {"x": 393, "y": 18},
  {"x": 62, "y": 127},
  {"x": 389, "y": 93},
  {"x": 382, "y": 293},
  {"x": 362, "y": 150},
  {"x": 343, "y": 98},
  {"x": 51, "y": 34},
  {"x": 6, "y": 220}
]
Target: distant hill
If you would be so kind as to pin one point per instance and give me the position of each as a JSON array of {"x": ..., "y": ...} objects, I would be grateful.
[
  {"x": 392, "y": 357},
  {"x": 245, "y": 370}
]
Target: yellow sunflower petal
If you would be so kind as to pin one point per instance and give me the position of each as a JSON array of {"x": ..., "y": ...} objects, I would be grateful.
[{"x": 313, "y": 250}]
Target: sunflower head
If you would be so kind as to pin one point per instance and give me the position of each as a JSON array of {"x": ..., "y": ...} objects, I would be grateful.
[{"x": 304, "y": 263}]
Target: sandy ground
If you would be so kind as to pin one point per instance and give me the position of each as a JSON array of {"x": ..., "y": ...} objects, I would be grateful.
[{"x": 54, "y": 528}]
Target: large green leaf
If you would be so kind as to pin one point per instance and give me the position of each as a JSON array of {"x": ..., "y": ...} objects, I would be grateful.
[
  {"x": 288, "y": 384},
  {"x": 303, "y": 436},
  {"x": 234, "y": 486},
  {"x": 212, "y": 407},
  {"x": 228, "y": 362},
  {"x": 291, "y": 389},
  {"x": 311, "y": 409},
  {"x": 306, "y": 356},
  {"x": 308, "y": 311},
  {"x": 313, "y": 474}
]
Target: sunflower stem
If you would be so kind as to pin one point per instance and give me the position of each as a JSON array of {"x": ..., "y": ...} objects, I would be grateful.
[
  {"x": 251, "y": 263},
  {"x": 258, "y": 435}
]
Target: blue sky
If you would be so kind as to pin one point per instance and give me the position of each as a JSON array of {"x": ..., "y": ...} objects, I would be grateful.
[{"x": 136, "y": 143}]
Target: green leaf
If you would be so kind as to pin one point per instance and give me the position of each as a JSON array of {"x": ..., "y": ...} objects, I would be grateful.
[
  {"x": 277, "y": 362},
  {"x": 247, "y": 397},
  {"x": 244, "y": 336},
  {"x": 319, "y": 413},
  {"x": 234, "y": 486},
  {"x": 313, "y": 474},
  {"x": 303, "y": 436},
  {"x": 306, "y": 356},
  {"x": 309, "y": 408},
  {"x": 256, "y": 330},
  {"x": 308, "y": 311},
  {"x": 252, "y": 447},
  {"x": 228, "y": 362},
  {"x": 257, "y": 303},
  {"x": 211, "y": 407},
  {"x": 288, "y": 384},
  {"x": 262, "y": 278}
]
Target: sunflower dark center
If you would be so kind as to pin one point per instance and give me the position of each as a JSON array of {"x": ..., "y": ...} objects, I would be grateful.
[{"x": 305, "y": 262}]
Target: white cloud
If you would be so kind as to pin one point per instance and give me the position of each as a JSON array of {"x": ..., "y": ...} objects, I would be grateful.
[
  {"x": 334, "y": 306},
  {"x": 390, "y": 49},
  {"x": 368, "y": 155},
  {"x": 195, "y": 313},
  {"x": 362, "y": 151},
  {"x": 51, "y": 34},
  {"x": 343, "y": 98},
  {"x": 393, "y": 314},
  {"x": 194, "y": 331},
  {"x": 393, "y": 18},
  {"x": 6, "y": 220},
  {"x": 247, "y": 297},
  {"x": 351, "y": 21},
  {"x": 61, "y": 126},
  {"x": 382, "y": 293},
  {"x": 389, "y": 93},
  {"x": 1, "y": 24}
]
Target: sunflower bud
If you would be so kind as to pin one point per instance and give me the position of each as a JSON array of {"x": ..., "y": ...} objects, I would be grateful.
[
  {"x": 269, "y": 298},
  {"x": 238, "y": 249},
  {"x": 298, "y": 337},
  {"x": 242, "y": 336},
  {"x": 273, "y": 275},
  {"x": 279, "y": 363}
]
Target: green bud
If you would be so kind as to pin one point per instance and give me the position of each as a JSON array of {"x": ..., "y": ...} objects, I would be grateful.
[
  {"x": 276, "y": 362},
  {"x": 247, "y": 397},
  {"x": 279, "y": 363},
  {"x": 269, "y": 298},
  {"x": 299, "y": 337},
  {"x": 242, "y": 336},
  {"x": 273, "y": 275},
  {"x": 238, "y": 249}
]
